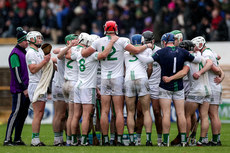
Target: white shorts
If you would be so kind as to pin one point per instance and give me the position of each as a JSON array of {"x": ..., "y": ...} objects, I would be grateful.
[
  {"x": 138, "y": 87},
  {"x": 216, "y": 98},
  {"x": 114, "y": 86},
  {"x": 154, "y": 91},
  {"x": 57, "y": 93},
  {"x": 85, "y": 96},
  {"x": 31, "y": 88},
  {"x": 197, "y": 99},
  {"x": 174, "y": 95},
  {"x": 68, "y": 91}
]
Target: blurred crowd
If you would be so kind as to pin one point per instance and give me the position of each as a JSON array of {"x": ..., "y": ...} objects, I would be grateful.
[{"x": 57, "y": 18}]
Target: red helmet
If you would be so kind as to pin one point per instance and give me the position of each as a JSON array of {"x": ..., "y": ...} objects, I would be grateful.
[{"x": 110, "y": 26}]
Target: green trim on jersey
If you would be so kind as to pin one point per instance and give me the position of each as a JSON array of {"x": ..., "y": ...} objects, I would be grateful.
[
  {"x": 94, "y": 96},
  {"x": 109, "y": 74},
  {"x": 79, "y": 84},
  {"x": 173, "y": 47},
  {"x": 14, "y": 61},
  {"x": 132, "y": 75},
  {"x": 80, "y": 46},
  {"x": 154, "y": 47},
  {"x": 175, "y": 86},
  {"x": 206, "y": 90},
  {"x": 200, "y": 66},
  {"x": 34, "y": 49},
  {"x": 109, "y": 37}
]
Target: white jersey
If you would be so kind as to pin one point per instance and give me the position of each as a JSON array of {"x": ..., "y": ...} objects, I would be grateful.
[
  {"x": 60, "y": 73},
  {"x": 71, "y": 68},
  {"x": 87, "y": 69},
  {"x": 155, "y": 77},
  {"x": 34, "y": 57},
  {"x": 208, "y": 54},
  {"x": 135, "y": 69},
  {"x": 201, "y": 86},
  {"x": 113, "y": 65}
]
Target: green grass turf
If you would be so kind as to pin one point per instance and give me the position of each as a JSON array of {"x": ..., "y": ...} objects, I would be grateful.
[{"x": 46, "y": 135}]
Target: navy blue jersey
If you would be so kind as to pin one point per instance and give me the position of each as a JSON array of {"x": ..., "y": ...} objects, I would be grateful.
[{"x": 171, "y": 60}]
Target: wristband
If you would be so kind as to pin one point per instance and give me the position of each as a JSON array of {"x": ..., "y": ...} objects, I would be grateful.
[{"x": 146, "y": 46}]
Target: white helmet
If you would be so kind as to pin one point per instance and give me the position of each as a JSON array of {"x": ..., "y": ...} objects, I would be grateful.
[
  {"x": 34, "y": 35},
  {"x": 84, "y": 38},
  {"x": 93, "y": 37},
  {"x": 199, "y": 40}
]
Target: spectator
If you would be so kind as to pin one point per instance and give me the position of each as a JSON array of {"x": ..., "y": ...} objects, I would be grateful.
[{"x": 224, "y": 28}]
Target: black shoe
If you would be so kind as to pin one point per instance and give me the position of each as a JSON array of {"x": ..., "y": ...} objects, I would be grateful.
[
  {"x": 164, "y": 144},
  {"x": 202, "y": 144},
  {"x": 120, "y": 144},
  {"x": 38, "y": 145},
  {"x": 8, "y": 143},
  {"x": 149, "y": 143},
  {"x": 132, "y": 144},
  {"x": 112, "y": 142},
  {"x": 219, "y": 143},
  {"x": 176, "y": 141},
  {"x": 19, "y": 143},
  {"x": 106, "y": 144},
  {"x": 212, "y": 143}
]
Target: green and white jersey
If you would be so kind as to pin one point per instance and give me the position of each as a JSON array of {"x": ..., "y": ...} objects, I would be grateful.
[
  {"x": 71, "y": 68},
  {"x": 60, "y": 73},
  {"x": 201, "y": 86},
  {"x": 135, "y": 69},
  {"x": 208, "y": 54},
  {"x": 113, "y": 65},
  {"x": 34, "y": 57},
  {"x": 155, "y": 77},
  {"x": 87, "y": 69}
]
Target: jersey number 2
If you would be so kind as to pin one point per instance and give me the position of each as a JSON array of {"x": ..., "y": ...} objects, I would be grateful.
[{"x": 109, "y": 57}]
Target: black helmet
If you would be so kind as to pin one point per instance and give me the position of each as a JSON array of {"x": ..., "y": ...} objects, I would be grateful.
[
  {"x": 187, "y": 44},
  {"x": 148, "y": 36}
]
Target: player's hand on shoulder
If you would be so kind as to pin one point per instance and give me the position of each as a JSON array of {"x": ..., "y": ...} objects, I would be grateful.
[
  {"x": 149, "y": 45},
  {"x": 114, "y": 38}
]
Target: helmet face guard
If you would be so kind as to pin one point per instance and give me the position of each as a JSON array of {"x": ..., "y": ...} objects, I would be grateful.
[
  {"x": 34, "y": 35},
  {"x": 84, "y": 38},
  {"x": 199, "y": 40},
  {"x": 178, "y": 35},
  {"x": 110, "y": 27}
]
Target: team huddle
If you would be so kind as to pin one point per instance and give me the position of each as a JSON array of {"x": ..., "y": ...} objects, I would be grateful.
[{"x": 94, "y": 75}]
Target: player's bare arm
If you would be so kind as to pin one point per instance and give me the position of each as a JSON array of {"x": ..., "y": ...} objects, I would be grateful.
[
  {"x": 207, "y": 67},
  {"x": 219, "y": 78},
  {"x": 108, "y": 48},
  {"x": 34, "y": 68},
  {"x": 137, "y": 49},
  {"x": 62, "y": 52},
  {"x": 176, "y": 76}
]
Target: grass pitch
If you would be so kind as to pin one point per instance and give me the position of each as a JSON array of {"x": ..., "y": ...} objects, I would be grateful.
[{"x": 46, "y": 135}]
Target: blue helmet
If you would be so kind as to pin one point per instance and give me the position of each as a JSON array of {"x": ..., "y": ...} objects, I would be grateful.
[
  {"x": 168, "y": 37},
  {"x": 137, "y": 39}
]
